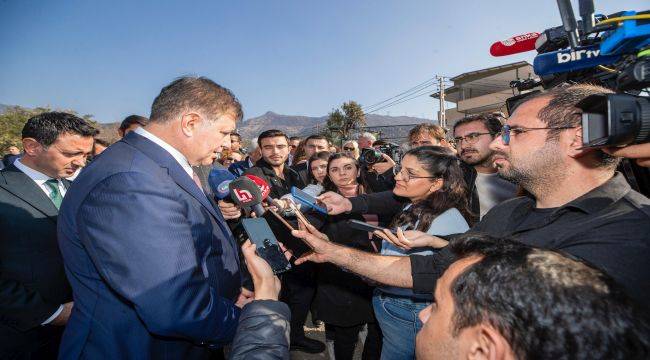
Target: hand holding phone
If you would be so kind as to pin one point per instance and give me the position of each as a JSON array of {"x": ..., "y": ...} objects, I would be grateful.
[
  {"x": 308, "y": 200},
  {"x": 267, "y": 245}
]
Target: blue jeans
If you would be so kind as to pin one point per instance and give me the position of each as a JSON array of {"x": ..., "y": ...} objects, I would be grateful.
[{"x": 399, "y": 323}]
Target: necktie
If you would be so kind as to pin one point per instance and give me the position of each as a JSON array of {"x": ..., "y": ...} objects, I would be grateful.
[
  {"x": 197, "y": 181},
  {"x": 55, "y": 193}
]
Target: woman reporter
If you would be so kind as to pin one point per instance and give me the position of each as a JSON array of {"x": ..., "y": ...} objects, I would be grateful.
[
  {"x": 343, "y": 299},
  {"x": 434, "y": 196}
]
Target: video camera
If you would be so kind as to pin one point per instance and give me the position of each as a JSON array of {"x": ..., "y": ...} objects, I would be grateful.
[
  {"x": 612, "y": 51},
  {"x": 373, "y": 156}
]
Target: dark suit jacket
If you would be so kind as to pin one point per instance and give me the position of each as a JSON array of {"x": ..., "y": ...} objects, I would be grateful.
[
  {"x": 32, "y": 280},
  {"x": 152, "y": 264}
]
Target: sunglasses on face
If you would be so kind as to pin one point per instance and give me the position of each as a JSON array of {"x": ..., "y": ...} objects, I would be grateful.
[
  {"x": 348, "y": 148},
  {"x": 506, "y": 130}
]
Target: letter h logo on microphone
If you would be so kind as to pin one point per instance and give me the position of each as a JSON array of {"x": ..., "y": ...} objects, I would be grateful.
[{"x": 244, "y": 196}]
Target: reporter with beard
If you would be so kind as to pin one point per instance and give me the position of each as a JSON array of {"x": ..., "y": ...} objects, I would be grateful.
[
  {"x": 473, "y": 136},
  {"x": 579, "y": 204}
]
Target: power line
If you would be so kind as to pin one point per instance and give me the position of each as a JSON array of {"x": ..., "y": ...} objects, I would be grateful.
[
  {"x": 427, "y": 88},
  {"x": 399, "y": 101},
  {"x": 408, "y": 92}
]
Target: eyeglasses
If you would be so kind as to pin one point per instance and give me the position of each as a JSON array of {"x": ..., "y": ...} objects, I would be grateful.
[
  {"x": 348, "y": 148},
  {"x": 398, "y": 169},
  {"x": 507, "y": 129},
  {"x": 470, "y": 138}
]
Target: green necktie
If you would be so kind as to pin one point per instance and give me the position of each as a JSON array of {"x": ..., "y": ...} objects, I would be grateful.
[{"x": 55, "y": 194}]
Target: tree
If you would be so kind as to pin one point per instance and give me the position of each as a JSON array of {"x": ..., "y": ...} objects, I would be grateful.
[
  {"x": 341, "y": 123},
  {"x": 13, "y": 120}
]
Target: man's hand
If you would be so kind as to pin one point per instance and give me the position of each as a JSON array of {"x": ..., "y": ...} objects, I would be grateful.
[
  {"x": 411, "y": 239},
  {"x": 245, "y": 296},
  {"x": 335, "y": 203},
  {"x": 382, "y": 167},
  {"x": 63, "y": 317},
  {"x": 321, "y": 246},
  {"x": 639, "y": 152},
  {"x": 229, "y": 210},
  {"x": 267, "y": 285}
]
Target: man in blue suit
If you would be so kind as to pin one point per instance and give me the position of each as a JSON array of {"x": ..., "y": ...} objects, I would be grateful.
[{"x": 153, "y": 266}]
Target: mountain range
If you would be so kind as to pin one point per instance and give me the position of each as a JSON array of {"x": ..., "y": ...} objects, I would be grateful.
[{"x": 291, "y": 124}]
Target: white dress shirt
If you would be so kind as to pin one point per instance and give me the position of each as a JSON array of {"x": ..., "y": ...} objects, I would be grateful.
[
  {"x": 180, "y": 158},
  {"x": 40, "y": 179}
]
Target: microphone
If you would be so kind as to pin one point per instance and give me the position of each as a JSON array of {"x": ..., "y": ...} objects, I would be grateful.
[
  {"x": 263, "y": 185},
  {"x": 245, "y": 193},
  {"x": 218, "y": 180},
  {"x": 567, "y": 60},
  {"x": 514, "y": 45}
]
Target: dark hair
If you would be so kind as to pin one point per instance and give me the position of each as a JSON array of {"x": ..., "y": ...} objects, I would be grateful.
[
  {"x": 48, "y": 126},
  {"x": 236, "y": 135},
  {"x": 102, "y": 142},
  {"x": 271, "y": 134},
  {"x": 433, "y": 130},
  {"x": 562, "y": 111},
  {"x": 321, "y": 155},
  {"x": 316, "y": 137},
  {"x": 133, "y": 119},
  {"x": 190, "y": 92},
  {"x": 492, "y": 121},
  {"x": 295, "y": 138},
  {"x": 328, "y": 185},
  {"x": 440, "y": 162},
  {"x": 546, "y": 305}
]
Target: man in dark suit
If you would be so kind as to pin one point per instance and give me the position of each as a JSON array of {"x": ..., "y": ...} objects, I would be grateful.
[
  {"x": 35, "y": 297},
  {"x": 153, "y": 266}
]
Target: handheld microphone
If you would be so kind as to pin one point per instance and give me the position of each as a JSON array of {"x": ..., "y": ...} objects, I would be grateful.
[
  {"x": 263, "y": 185},
  {"x": 567, "y": 60},
  {"x": 218, "y": 180},
  {"x": 514, "y": 45},
  {"x": 245, "y": 193}
]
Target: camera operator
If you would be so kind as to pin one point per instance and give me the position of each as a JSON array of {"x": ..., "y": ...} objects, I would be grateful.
[
  {"x": 639, "y": 152},
  {"x": 579, "y": 204},
  {"x": 377, "y": 164},
  {"x": 473, "y": 136}
]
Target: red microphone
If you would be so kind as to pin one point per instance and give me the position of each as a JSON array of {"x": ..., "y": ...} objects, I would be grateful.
[
  {"x": 263, "y": 185},
  {"x": 514, "y": 45}
]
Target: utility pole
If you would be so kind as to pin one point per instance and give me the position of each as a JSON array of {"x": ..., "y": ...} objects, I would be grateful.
[{"x": 441, "y": 115}]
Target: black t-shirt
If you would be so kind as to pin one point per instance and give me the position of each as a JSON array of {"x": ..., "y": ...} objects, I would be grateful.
[{"x": 609, "y": 227}]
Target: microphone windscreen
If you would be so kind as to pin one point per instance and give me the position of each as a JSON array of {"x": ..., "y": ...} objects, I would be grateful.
[
  {"x": 217, "y": 177},
  {"x": 244, "y": 192},
  {"x": 514, "y": 45},
  {"x": 263, "y": 185},
  {"x": 223, "y": 190}
]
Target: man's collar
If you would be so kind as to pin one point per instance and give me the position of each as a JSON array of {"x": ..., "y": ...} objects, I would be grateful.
[
  {"x": 595, "y": 200},
  {"x": 177, "y": 155},
  {"x": 267, "y": 169},
  {"x": 33, "y": 174}
]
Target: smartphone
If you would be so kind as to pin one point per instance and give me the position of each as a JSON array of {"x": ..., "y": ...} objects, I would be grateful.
[
  {"x": 308, "y": 200},
  {"x": 260, "y": 233},
  {"x": 360, "y": 225}
]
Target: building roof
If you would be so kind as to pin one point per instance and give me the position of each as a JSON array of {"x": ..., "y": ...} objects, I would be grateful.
[{"x": 479, "y": 74}]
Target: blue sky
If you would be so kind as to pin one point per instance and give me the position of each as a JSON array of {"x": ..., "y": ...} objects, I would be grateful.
[{"x": 110, "y": 58}]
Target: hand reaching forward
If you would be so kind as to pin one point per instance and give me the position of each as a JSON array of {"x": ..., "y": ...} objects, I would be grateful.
[{"x": 410, "y": 239}]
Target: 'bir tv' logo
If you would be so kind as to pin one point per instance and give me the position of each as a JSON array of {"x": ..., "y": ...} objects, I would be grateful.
[{"x": 576, "y": 55}]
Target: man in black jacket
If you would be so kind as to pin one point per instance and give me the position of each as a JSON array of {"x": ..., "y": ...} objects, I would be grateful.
[
  {"x": 580, "y": 205},
  {"x": 34, "y": 292},
  {"x": 298, "y": 284}
]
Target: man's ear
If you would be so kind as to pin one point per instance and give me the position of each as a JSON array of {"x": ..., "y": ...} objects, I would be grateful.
[
  {"x": 189, "y": 123},
  {"x": 32, "y": 147},
  {"x": 488, "y": 344},
  {"x": 575, "y": 149}
]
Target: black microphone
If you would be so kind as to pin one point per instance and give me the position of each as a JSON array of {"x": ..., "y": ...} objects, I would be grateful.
[{"x": 245, "y": 193}]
